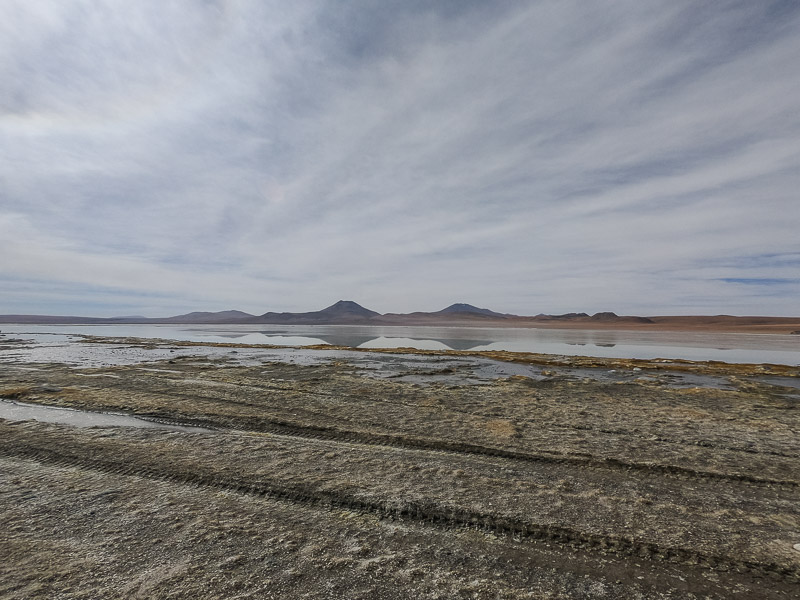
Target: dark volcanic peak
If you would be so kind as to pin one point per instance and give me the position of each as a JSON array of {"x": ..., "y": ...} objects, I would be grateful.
[
  {"x": 342, "y": 312},
  {"x": 604, "y": 316},
  {"x": 463, "y": 308},
  {"x": 223, "y": 316},
  {"x": 349, "y": 308}
]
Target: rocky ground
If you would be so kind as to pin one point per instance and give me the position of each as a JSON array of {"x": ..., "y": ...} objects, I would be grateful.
[{"x": 339, "y": 474}]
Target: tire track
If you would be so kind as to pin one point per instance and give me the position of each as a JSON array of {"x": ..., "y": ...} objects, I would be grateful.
[
  {"x": 402, "y": 440},
  {"x": 275, "y": 426},
  {"x": 212, "y": 399},
  {"x": 583, "y": 461},
  {"x": 424, "y": 513}
]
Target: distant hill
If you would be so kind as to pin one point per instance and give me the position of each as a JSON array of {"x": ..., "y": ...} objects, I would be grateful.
[
  {"x": 455, "y": 314},
  {"x": 343, "y": 312},
  {"x": 467, "y": 309},
  {"x": 347, "y": 312},
  {"x": 223, "y": 316},
  {"x": 52, "y": 320},
  {"x": 347, "y": 308}
]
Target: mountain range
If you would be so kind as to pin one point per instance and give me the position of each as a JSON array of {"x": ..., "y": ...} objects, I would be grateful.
[
  {"x": 343, "y": 312},
  {"x": 347, "y": 312}
]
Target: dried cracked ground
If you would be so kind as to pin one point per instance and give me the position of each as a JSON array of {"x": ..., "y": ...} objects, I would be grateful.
[{"x": 398, "y": 475}]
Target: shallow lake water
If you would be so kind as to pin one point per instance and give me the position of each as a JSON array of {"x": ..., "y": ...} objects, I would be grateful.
[{"x": 726, "y": 347}]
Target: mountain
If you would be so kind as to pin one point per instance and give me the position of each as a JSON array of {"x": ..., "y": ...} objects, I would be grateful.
[
  {"x": 347, "y": 308},
  {"x": 347, "y": 312},
  {"x": 565, "y": 317},
  {"x": 467, "y": 309},
  {"x": 223, "y": 316},
  {"x": 343, "y": 312},
  {"x": 455, "y": 314},
  {"x": 52, "y": 320}
]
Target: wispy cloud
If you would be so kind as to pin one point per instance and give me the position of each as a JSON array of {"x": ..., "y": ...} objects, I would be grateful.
[{"x": 550, "y": 156}]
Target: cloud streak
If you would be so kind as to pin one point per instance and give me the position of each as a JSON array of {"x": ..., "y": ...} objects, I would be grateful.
[{"x": 535, "y": 157}]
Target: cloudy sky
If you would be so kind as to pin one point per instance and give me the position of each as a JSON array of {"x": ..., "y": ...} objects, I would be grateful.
[{"x": 162, "y": 156}]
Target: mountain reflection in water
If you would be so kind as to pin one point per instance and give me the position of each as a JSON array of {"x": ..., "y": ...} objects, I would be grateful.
[
  {"x": 689, "y": 345},
  {"x": 352, "y": 340}
]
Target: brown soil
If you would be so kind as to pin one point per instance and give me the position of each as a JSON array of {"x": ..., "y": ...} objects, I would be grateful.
[
  {"x": 774, "y": 325},
  {"x": 322, "y": 482},
  {"x": 699, "y": 323}
]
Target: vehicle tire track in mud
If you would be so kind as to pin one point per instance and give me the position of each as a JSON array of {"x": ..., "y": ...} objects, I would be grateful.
[
  {"x": 583, "y": 461},
  {"x": 216, "y": 399},
  {"x": 424, "y": 513},
  {"x": 275, "y": 426}
]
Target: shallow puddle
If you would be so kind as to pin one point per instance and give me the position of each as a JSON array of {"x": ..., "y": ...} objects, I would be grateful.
[
  {"x": 790, "y": 382},
  {"x": 20, "y": 411}
]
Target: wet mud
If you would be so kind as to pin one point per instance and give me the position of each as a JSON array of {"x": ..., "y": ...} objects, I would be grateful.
[{"x": 334, "y": 473}]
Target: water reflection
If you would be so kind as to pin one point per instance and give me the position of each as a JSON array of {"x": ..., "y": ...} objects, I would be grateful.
[
  {"x": 727, "y": 347},
  {"x": 354, "y": 340},
  {"x": 464, "y": 344},
  {"x": 351, "y": 340}
]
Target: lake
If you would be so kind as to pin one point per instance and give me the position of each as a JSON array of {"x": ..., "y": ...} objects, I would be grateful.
[{"x": 727, "y": 347}]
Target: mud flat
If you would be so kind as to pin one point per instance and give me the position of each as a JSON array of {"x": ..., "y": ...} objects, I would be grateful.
[{"x": 333, "y": 473}]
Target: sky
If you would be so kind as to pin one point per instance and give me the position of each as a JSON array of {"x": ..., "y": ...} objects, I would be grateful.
[{"x": 163, "y": 156}]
